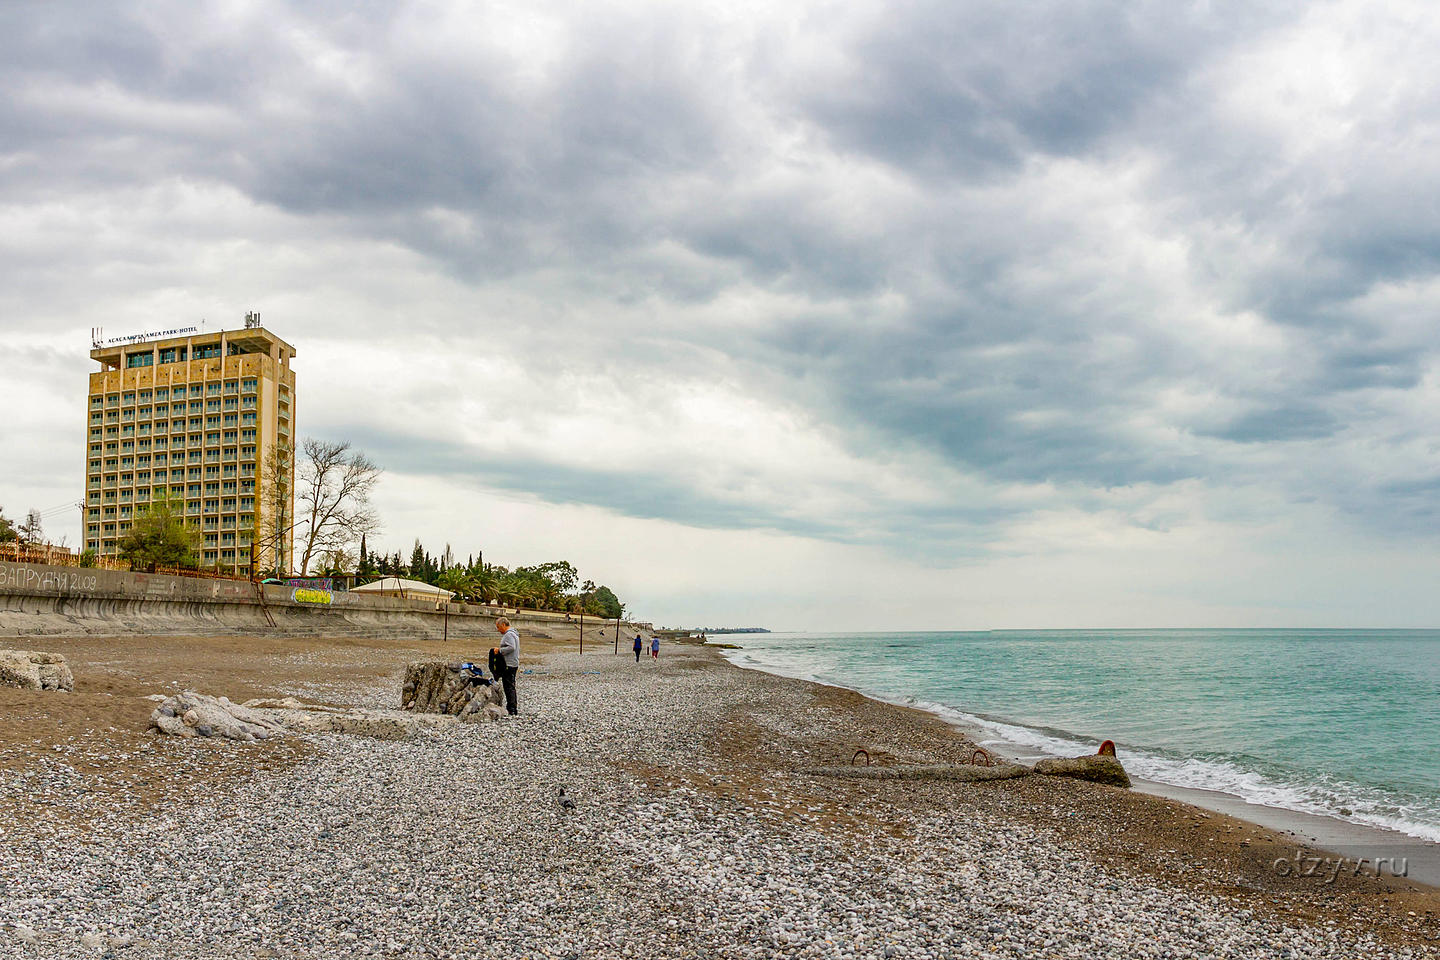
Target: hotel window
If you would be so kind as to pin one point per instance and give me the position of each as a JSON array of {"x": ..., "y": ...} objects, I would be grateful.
[
  {"x": 96, "y": 401},
  {"x": 162, "y": 393},
  {"x": 213, "y": 389},
  {"x": 212, "y": 404},
  {"x": 250, "y": 385},
  {"x": 247, "y": 435},
  {"x": 196, "y": 389},
  {"x": 231, "y": 386},
  {"x": 129, "y": 399},
  {"x": 113, "y": 400},
  {"x": 140, "y": 359},
  {"x": 212, "y": 439}
]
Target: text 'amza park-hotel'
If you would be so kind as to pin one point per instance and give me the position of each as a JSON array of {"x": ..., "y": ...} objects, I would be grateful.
[{"x": 192, "y": 417}]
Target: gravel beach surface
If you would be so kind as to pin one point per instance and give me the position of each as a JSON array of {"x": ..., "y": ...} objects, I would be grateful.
[{"x": 694, "y": 834}]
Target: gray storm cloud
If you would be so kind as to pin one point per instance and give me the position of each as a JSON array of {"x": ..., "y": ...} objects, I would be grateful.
[{"x": 1063, "y": 249}]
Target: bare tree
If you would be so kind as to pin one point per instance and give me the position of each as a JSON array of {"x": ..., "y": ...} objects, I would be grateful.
[
  {"x": 31, "y": 529},
  {"x": 335, "y": 485},
  {"x": 276, "y": 506}
]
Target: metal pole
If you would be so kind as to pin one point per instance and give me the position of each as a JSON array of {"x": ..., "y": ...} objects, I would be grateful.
[
  {"x": 582, "y": 625},
  {"x": 446, "y": 638}
]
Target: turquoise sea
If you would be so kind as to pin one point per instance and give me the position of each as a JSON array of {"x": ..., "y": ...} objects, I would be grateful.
[{"x": 1344, "y": 723}]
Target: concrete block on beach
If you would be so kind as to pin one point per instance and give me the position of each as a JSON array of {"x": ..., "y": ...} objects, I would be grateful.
[
  {"x": 1096, "y": 769},
  {"x": 302, "y": 717},
  {"x": 29, "y": 670},
  {"x": 434, "y": 686}
]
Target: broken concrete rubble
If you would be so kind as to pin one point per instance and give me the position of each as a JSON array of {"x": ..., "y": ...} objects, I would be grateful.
[{"x": 31, "y": 670}]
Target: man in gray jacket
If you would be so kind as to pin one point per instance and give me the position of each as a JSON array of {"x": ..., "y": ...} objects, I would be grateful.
[{"x": 510, "y": 654}]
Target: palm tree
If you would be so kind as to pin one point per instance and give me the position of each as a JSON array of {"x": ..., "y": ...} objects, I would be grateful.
[{"x": 458, "y": 581}]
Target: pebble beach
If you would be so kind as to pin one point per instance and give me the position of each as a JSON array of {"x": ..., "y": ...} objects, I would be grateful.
[{"x": 696, "y": 832}]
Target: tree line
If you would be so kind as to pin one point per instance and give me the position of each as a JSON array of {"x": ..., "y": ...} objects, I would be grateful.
[{"x": 546, "y": 586}]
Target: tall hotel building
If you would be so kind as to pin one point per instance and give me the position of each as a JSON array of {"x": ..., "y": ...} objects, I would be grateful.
[{"x": 193, "y": 417}]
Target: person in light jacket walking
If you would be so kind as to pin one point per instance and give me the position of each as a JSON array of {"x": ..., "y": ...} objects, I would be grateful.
[{"x": 655, "y": 648}]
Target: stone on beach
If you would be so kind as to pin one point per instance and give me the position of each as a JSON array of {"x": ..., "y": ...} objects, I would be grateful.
[
  {"x": 192, "y": 714},
  {"x": 1096, "y": 769},
  {"x": 30, "y": 670}
]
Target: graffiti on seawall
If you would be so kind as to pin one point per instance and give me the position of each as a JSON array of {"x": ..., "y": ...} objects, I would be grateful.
[
  {"x": 311, "y": 595},
  {"x": 20, "y": 577}
]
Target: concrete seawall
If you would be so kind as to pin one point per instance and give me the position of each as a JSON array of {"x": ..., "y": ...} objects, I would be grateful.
[{"x": 40, "y": 600}]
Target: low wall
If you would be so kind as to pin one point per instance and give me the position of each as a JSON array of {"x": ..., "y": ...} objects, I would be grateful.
[{"x": 40, "y": 600}]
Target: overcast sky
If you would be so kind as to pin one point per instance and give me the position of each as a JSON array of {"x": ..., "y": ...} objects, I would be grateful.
[{"x": 834, "y": 315}]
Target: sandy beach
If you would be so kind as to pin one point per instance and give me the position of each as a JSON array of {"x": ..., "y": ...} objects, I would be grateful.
[{"x": 697, "y": 830}]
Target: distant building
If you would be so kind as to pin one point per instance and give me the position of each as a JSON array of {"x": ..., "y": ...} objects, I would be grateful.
[{"x": 194, "y": 417}]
